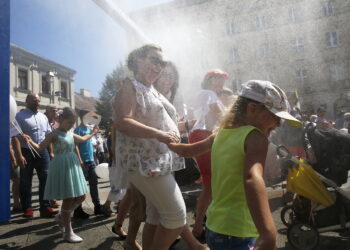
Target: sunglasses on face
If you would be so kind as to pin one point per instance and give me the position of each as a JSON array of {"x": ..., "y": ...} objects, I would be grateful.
[
  {"x": 167, "y": 76},
  {"x": 157, "y": 61}
]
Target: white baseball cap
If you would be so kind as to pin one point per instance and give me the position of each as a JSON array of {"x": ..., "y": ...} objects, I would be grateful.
[{"x": 272, "y": 96}]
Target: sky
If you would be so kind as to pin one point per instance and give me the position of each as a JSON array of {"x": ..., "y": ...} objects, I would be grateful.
[{"x": 74, "y": 33}]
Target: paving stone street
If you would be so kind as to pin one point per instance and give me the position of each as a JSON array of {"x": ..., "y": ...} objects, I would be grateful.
[{"x": 42, "y": 233}]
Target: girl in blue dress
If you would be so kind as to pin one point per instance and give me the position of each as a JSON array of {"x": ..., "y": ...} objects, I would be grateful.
[{"x": 65, "y": 179}]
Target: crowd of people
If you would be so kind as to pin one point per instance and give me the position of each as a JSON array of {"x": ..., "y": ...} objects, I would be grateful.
[
  {"x": 58, "y": 157},
  {"x": 227, "y": 136}
]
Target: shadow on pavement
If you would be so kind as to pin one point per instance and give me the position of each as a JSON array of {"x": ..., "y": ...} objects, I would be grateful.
[
  {"x": 107, "y": 244},
  {"x": 50, "y": 242},
  {"x": 28, "y": 229}
]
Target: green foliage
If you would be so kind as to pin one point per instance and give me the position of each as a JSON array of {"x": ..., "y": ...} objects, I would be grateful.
[{"x": 104, "y": 105}]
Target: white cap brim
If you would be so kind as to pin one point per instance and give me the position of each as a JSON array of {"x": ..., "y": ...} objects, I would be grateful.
[{"x": 291, "y": 120}]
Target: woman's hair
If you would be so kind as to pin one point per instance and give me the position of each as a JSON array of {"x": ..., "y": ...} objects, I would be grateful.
[
  {"x": 141, "y": 52},
  {"x": 212, "y": 76},
  {"x": 235, "y": 116},
  {"x": 175, "y": 74},
  {"x": 67, "y": 113}
]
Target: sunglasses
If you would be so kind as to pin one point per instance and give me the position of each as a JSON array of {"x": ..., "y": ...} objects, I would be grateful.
[
  {"x": 157, "y": 61},
  {"x": 167, "y": 76}
]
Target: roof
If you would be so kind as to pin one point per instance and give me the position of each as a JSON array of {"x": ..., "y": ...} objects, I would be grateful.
[
  {"x": 19, "y": 53},
  {"x": 85, "y": 103}
]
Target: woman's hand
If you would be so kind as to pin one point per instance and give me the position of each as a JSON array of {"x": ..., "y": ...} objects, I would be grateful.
[
  {"x": 26, "y": 138},
  {"x": 95, "y": 130},
  {"x": 266, "y": 242},
  {"x": 21, "y": 161},
  {"x": 83, "y": 167},
  {"x": 167, "y": 137}
]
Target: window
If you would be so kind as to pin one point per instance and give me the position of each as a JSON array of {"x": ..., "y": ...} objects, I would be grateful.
[
  {"x": 22, "y": 79},
  {"x": 64, "y": 89},
  {"x": 293, "y": 15},
  {"x": 234, "y": 55},
  {"x": 332, "y": 39},
  {"x": 298, "y": 44},
  {"x": 328, "y": 9},
  {"x": 260, "y": 22},
  {"x": 301, "y": 75},
  {"x": 337, "y": 72},
  {"x": 230, "y": 28},
  {"x": 45, "y": 85},
  {"x": 264, "y": 50}
]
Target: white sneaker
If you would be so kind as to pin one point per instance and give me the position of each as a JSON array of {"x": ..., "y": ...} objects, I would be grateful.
[
  {"x": 72, "y": 237},
  {"x": 59, "y": 222}
]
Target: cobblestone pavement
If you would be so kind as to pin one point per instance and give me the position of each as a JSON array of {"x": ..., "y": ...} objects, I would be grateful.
[{"x": 41, "y": 233}]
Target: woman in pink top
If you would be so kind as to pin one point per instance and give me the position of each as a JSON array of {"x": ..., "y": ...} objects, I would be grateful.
[{"x": 207, "y": 112}]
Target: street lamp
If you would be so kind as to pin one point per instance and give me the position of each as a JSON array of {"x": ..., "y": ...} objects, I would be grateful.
[{"x": 50, "y": 75}]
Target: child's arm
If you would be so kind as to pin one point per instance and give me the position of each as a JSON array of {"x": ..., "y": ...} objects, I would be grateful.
[
  {"x": 83, "y": 167},
  {"x": 256, "y": 149},
  {"x": 193, "y": 149},
  {"x": 50, "y": 149},
  {"x": 78, "y": 139},
  {"x": 50, "y": 138},
  {"x": 76, "y": 149}
]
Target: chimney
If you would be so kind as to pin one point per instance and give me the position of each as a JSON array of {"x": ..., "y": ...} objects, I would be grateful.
[{"x": 85, "y": 92}]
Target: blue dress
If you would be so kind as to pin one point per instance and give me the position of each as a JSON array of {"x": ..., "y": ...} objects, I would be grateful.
[{"x": 65, "y": 177}]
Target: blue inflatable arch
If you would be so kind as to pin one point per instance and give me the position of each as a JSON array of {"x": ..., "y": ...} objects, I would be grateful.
[{"x": 4, "y": 110}]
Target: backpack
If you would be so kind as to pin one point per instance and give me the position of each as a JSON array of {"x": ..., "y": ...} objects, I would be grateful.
[{"x": 332, "y": 152}]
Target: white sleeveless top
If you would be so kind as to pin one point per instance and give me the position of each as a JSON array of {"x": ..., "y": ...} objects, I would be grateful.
[
  {"x": 204, "y": 98},
  {"x": 145, "y": 154}
]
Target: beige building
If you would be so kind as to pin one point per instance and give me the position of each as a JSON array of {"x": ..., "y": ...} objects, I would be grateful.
[
  {"x": 301, "y": 45},
  {"x": 30, "y": 73}
]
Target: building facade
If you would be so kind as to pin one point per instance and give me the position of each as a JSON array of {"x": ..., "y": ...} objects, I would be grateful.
[
  {"x": 30, "y": 73},
  {"x": 84, "y": 101},
  {"x": 302, "y": 45}
]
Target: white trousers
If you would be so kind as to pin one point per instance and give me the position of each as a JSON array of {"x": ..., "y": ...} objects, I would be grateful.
[{"x": 164, "y": 202}]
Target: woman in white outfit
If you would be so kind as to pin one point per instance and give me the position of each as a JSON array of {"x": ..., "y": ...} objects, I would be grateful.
[{"x": 146, "y": 122}]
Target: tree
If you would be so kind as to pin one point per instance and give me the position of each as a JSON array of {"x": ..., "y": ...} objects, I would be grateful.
[{"x": 109, "y": 87}]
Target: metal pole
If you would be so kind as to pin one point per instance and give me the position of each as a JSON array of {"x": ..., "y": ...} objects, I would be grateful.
[{"x": 4, "y": 110}]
